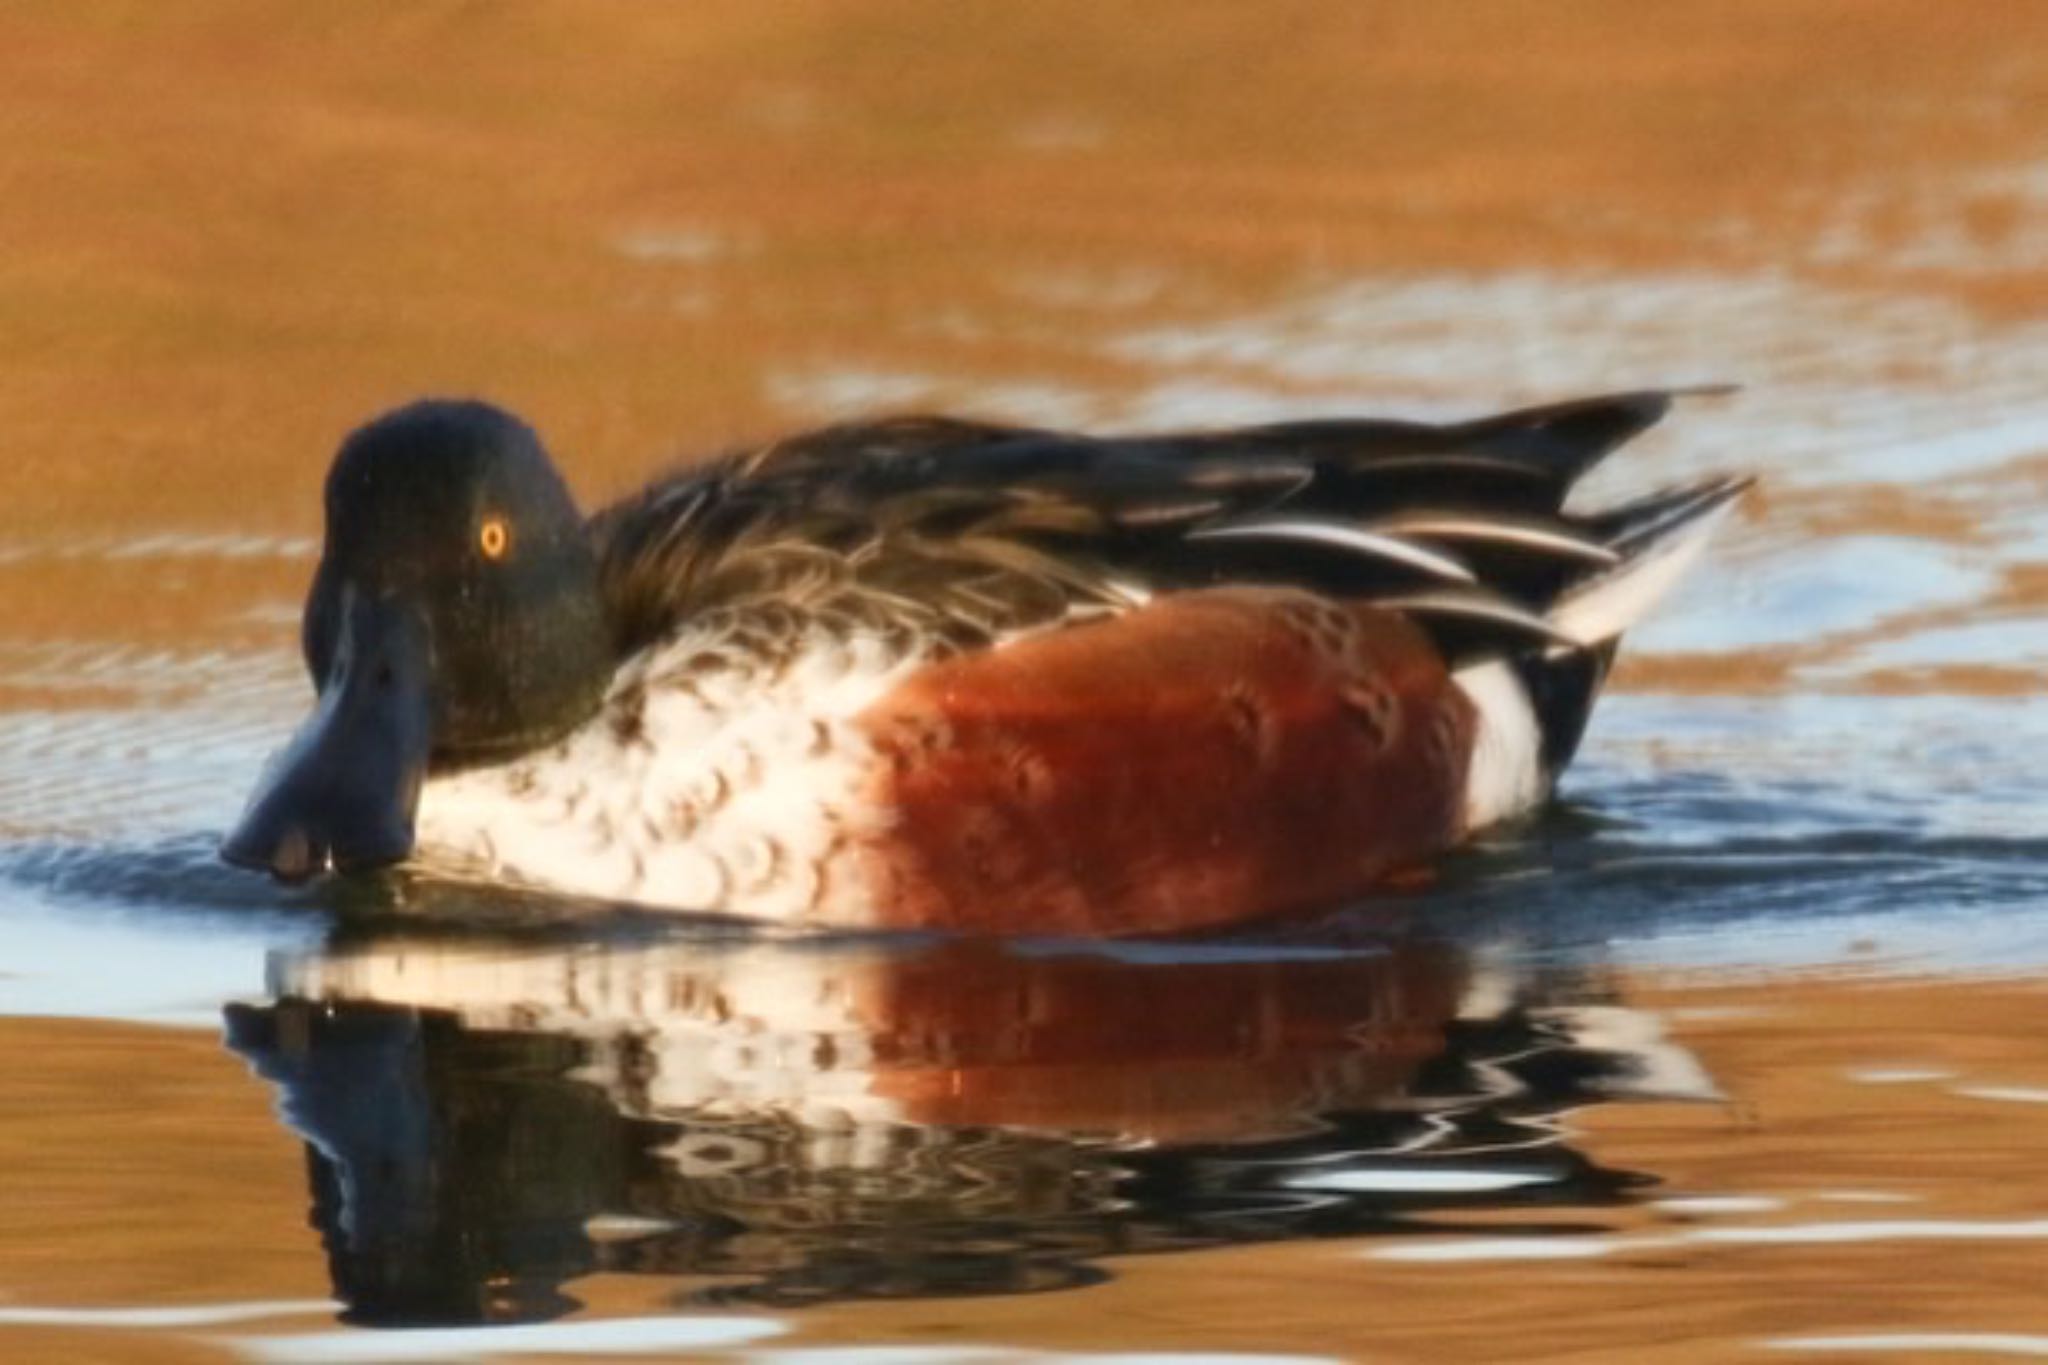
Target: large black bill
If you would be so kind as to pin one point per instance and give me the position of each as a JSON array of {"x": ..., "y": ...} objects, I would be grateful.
[{"x": 343, "y": 792}]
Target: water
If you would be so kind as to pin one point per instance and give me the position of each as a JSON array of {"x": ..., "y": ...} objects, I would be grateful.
[{"x": 1735, "y": 1052}]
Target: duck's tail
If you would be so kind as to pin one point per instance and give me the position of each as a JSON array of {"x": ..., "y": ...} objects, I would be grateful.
[
  {"x": 1657, "y": 539},
  {"x": 1533, "y": 704}
]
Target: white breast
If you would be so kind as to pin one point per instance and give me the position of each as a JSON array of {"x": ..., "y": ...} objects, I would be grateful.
[{"x": 712, "y": 778}]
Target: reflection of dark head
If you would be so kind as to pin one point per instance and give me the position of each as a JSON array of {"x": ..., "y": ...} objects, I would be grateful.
[{"x": 451, "y": 1172}]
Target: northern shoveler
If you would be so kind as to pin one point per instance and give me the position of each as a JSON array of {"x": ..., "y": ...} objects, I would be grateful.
[{"x": 931, "y": 672}]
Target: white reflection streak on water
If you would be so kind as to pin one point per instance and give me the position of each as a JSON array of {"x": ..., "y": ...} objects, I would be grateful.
[
  {"x": 1003, "y": 1355},
  {"x": 703, "y": 1337},
  {"x": 2003, "y": 1094},
  {"x": 1789, "y": 1234},
  {"x": 1919, "y": 1343},
  {"x": 190, "y": 1315},
  {"x": 608, "y": 1337},
  {"x": 162, "y": 545}
]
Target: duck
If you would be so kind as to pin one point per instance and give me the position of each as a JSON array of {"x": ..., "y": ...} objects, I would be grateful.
[{"x": 935, "y": 673}]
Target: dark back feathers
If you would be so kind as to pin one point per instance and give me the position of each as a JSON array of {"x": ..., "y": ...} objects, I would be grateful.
[{"x": 969, "y": 529}]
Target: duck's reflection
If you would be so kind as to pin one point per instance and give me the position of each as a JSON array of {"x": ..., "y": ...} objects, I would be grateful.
[{"x": 485, "y": 1121}]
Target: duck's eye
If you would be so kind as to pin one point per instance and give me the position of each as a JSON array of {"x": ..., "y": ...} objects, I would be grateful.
[{"x": 494, "y": 537}]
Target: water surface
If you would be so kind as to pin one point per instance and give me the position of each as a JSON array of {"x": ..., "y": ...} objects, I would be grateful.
[{"x": 1734, "y": 1053}]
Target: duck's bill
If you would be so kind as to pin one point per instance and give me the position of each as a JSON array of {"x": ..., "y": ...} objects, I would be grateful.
[{"x": 342, "y": 794}]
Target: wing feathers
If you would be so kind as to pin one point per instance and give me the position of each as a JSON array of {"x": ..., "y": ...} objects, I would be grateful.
[
  {"x": 1556, "y": 538},
  {"x": 1462, "y": 525},
  {"x": 1339, "y": 536}
]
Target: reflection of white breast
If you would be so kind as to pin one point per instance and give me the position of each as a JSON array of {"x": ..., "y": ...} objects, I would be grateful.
[
  {"x": 723, "y": 772},
  {"x": 673, "y": 1029}
]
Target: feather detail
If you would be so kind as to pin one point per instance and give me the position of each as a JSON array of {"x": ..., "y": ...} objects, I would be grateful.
[
  {"x": 1337, "y": 535},
  {"x": 1555, "y": 539}
]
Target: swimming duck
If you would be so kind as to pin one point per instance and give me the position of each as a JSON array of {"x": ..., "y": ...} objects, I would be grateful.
[{"x": 943, "y": 673}]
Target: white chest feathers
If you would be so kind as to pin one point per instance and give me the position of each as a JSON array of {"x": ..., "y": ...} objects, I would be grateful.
[{"x": 721, "y": 773}]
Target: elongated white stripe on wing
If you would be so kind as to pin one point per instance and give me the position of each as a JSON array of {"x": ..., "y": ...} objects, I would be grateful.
[
  {"x": 1339, "y": 536},
  {"x": 1523, "y": 534}
]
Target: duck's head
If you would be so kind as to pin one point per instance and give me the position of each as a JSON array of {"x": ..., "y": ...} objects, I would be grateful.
[{"x": 454, "y": 620}]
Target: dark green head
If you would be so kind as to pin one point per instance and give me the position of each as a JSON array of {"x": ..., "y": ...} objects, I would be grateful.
[{"x": 454, "y": 619}]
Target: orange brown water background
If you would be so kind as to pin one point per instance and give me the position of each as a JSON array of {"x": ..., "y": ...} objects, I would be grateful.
[{"x": 229, "y": 231}]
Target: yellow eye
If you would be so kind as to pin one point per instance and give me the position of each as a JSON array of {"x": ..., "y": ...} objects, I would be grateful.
[{"x": 494, "y": 537}]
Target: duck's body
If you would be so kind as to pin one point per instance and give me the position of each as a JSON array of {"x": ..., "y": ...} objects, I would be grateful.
[
  {"x": 935, "y": 673},
  {"x": 1180, "y": 765}
]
